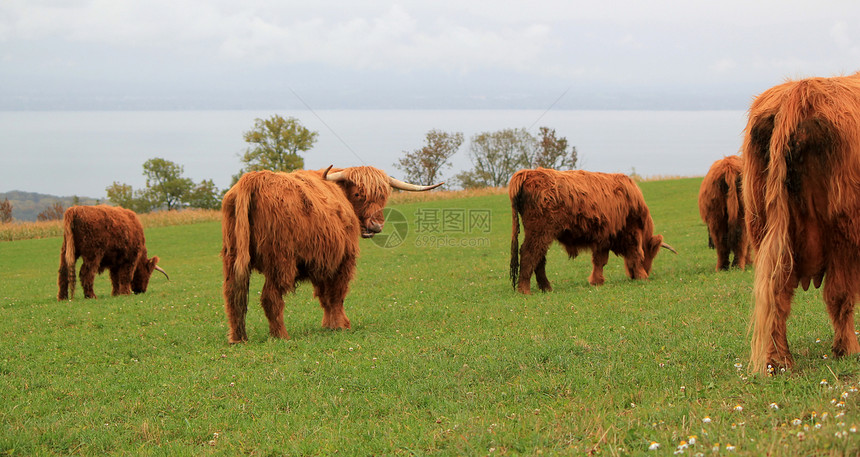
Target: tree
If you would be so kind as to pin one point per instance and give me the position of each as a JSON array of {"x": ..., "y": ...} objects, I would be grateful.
[
  {"x": 165, "y": 184},
  {"x": 5, "y": 211},
  {"x": 165, "y": 188},
  {"x": 552, "y": 152},
  {"x": 205, "y": 195},
  {"x": 53, "y": 213},
  {"x": 496, "y": 156},
  {"x": 423, "y": 166},
  {"x": 121, "y": 194},
  {"x": 276, "y": 143}
]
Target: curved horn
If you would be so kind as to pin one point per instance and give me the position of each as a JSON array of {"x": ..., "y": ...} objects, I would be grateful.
[
  {"x": 336, "y": 176},
  {"x": 398, "y": 184},
  {"x": 668, "y": 247},
  {"x": 162, "y": 270}
]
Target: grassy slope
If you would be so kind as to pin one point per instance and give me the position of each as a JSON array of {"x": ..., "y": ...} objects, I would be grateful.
[{"x": 443, "y": 356}]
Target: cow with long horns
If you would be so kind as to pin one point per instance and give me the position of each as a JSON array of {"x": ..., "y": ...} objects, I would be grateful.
[
  {"x": 581, "y": 210},
  {"x": 722, "y": 209},
  {"x": 801, "y": 155},
  {"x": 303, "y": 225},
  {"x": 107, "y": 238}
]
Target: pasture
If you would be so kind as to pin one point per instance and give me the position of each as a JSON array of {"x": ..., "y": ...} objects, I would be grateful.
[{"x": 444, "y": 358}]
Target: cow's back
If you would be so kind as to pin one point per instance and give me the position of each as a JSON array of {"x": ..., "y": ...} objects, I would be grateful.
[
  {"x": 596, "y": 204},
  {"x": 112, "y": 233},
  {"x": 296, "y": 217}
]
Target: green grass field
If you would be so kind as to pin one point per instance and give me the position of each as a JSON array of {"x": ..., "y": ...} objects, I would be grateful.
[{"x": 444, "y": 358}]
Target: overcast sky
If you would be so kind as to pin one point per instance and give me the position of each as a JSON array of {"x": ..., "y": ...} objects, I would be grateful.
[{"x": 198, "y": 54}]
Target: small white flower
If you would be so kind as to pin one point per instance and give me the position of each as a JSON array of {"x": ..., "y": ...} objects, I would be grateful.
[
  {"x": 841, "y": 404},
  {"x": 818, "y": 340},
  {"x": 692, "y": 440},
  {"x": 844, "y": 395},
  {"x": 730, "y": 448},
  {"x": 774, "y": 406},
  {"x": 852, "y": 429},
  {"x": 739, "y": 408},
  {"x": 682, "y": 445},
  {"x": 739, "y": 365},
  {"x": 706, "y": 419},
  {"x": 796, "y": 421},
  {"x": 654, "y": 446},
  {"x": 823, "y": 382}
]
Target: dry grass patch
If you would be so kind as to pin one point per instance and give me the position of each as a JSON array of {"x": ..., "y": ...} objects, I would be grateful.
[{"x": 16, "y": 230}]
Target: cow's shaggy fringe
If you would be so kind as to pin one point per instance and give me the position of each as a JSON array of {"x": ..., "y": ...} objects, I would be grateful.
[
  {"x": 722, "y": 210},
  {"x": 801, "y": 152}
]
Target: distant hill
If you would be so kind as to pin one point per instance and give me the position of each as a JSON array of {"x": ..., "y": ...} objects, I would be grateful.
[{"x": 27, "y": 205}]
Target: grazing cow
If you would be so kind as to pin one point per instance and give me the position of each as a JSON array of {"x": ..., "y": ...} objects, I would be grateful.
[
  {"x": 108, "y": 238},
  {"x": 722, "y": 209},
  {"x": 295, "y": 226},
  {"x": 581, "y": 209},
  {"x": 801, "y": 156}
]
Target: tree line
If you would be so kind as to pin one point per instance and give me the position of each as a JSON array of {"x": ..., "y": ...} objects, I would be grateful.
[{"x": 275, "y": 144}]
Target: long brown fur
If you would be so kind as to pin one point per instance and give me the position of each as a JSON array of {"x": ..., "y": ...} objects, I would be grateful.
[
  {"x": 722, "y": 209},
  {"x": 581, "y": 210},
  {"x": 801, "y": 156},
  {"x": 107, "y": 238},
  {"x": 297, "y": 226}
]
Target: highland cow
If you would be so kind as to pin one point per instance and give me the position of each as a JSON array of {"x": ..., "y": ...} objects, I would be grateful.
[
  {"x": 107, "y": 238},
  {"x": 801, "y": 155},
  {"x": 581, "y": 210},
  {"x": 722, "y": 209},
  {"x": 303, "y": 225}
]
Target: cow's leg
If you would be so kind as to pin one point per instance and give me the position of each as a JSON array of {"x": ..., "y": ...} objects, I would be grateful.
[
  {"x": 634, "y": 263},
  {"x": 841, "y": 308},
  {"x": 723, "y": 253},
  {"x": 63, "y": 276},
  {"x": 120, "y": 278},
  {"x": 599, "y": 259},
  {"x": 778, "y": 355},
  {"x": 272, "y": 300},
  {"x": 540, "y": 276},
  {"x": 235, "y": 303},
  {"x": 533, "y": 249},
  {"x": 332, "y": 291},
  {"x": 89, "y": 268}
]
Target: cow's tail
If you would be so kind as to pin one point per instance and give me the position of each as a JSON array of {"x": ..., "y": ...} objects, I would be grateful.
[
  {"x": 733, "y": 196},
  {"x": 67, "y": 257},
  {"x": 242, "y": 236},
  {"x": 774, "y": 260},
  {"x": 516, "y": 195}
]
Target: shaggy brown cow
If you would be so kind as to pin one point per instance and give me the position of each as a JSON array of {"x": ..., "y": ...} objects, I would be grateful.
[
  {"x": 581, "y": 209},
  {"x": 108, "y": 238},
  {"x": 722, "y": 209},
  {"x": 295, "y": 226},
  {"x": 801, "y": 156}
]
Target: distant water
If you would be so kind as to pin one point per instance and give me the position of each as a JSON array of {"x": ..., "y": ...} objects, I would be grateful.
[{"x": 82, "y": 152}]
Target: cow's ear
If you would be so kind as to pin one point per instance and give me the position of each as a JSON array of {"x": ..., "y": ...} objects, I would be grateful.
[
  {"x": 153, "y": 262},
  {"x": 656, "y": 241}
]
